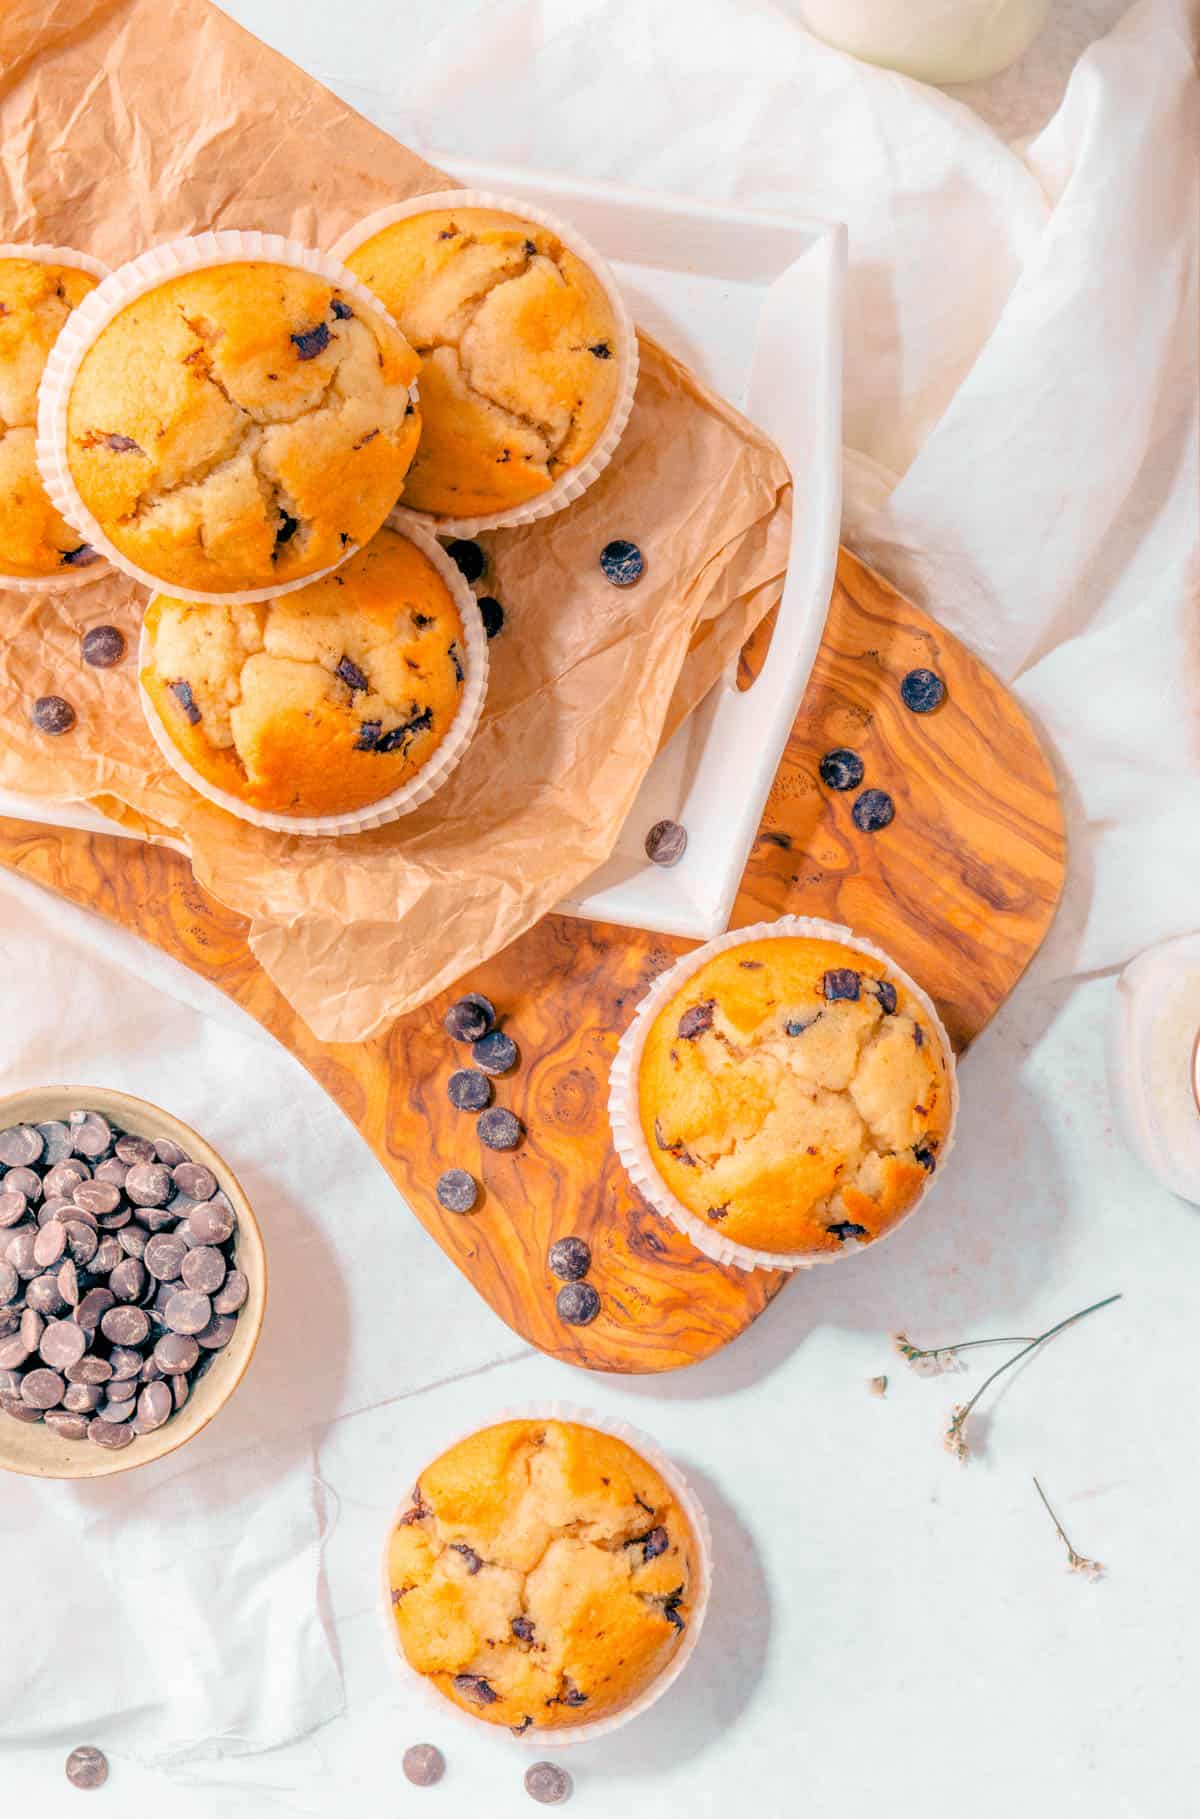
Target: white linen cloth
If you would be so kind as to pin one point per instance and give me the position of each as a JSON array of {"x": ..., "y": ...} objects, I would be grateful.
[{"x": 1021, "y": 431}]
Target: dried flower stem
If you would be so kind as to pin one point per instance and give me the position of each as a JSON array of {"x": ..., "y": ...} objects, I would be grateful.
[
  {"x": 955, "y": 1437},
  {"x": 1078, "y": 1563}
]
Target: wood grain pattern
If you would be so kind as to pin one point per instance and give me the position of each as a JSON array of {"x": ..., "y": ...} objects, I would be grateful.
[{"x": 961, "y": 888}]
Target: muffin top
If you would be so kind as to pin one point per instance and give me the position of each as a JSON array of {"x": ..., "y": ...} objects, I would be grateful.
[
  {"x": 793, "y": 1094},
  {"x": 241, "y": 426},
  {"x": 519, "y": 349},
  {"x": 35, "y": 301},
  {"x": 543, "y": 1576},
  {"x": 322, "y": 701}
]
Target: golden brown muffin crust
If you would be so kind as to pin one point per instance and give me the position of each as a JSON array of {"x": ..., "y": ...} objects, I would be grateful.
[
  {"x": 241, "y": 426},
  {"x": 793, "y": 1095},
  {"x": 322, "y": 701},
  {"x": 519, "y": 353},
  {"x": 543, "y": 1576},
  {"x": 35, "y": 301}
]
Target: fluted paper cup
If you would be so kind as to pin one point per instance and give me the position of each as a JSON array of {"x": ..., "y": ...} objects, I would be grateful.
[
  {"x": 625, "y": 1119},
  {"x": 61, "y": 579},
  {"x": 419, "y": 788},
  {"x": 574, "y": 482},
  {"x": 192, "y": 253},
  {"x": 693, "y": 1509}
]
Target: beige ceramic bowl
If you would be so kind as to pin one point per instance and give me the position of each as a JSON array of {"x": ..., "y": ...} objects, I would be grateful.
[{"x": 33, "y": 1448}]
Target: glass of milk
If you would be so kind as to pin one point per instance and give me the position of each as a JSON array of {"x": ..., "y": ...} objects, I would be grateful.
[{"x": 935, "y": 40}]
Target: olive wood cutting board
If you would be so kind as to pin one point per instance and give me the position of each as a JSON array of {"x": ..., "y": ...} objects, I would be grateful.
[{"x": 961, "y": 888}]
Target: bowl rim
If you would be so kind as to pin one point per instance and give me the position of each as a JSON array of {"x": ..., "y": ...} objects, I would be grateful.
[{"x": 142, "y": 1117}]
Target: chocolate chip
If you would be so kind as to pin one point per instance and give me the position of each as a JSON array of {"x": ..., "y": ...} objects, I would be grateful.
[
  {"x": 211, "y": 1223},
  {"x": 841, "y": 982},
  {"x": 56, "y": 1142},
  {"x": 468, "y": 1090},
  {"x": 671, "y": 1609},
  {"x": 470, "y": 1018},
  {"x": 398, "y": 738},
  {"x": 164, "y": 1256},
  {"x": 87, "y": 1767},
  {"x": 24, "y": 1181},
  {"x": 600, "y": 349},
  {"x": 310, "y": 342},
  {"x": 499, "y": 1128},
  {"x": 20, "y": 1411},
  {"x": 126, "y": 1366},
  {"x": 456, "y": 1190},
  {"x": 696, "y": 1019},
  {"x": 42, "y": 1388},
  {"x": 654, "y": 1544},
  {"x": 796, "y": 1026},
  {"x": 89, "y": 1370},
  {"x": 154, "y": 1407},
  {"x": 351, "y": 675},
  {"x": 922, "y": 690},
  {"x": 130, "y": 1325},
  {"x": 82, "y": 556},
  {"x": 885, "y": 991},
  {"x": 621, "y": 562},
  {"x": 13, "y": 1207},
  {"x": 423, "y": 1765},
  {"x": 182, "y": 692},
  {"x": 62, "y": 1344},
  {"x": 569, "y": 1259},
  {"x": 217, "y": 1334},
  {"x": 21, "y": 1146},
  {"x": 287, "y": 528},
  {"x": 233, "y": 1296},
  {"x": 470, "y": 1557},
  {"x": 176, "y": 1352},
  {"x": 368, "y": 735},
  {"x": 492, "y": 614},
  {"x": 522, "y": 1629},
  {"x": 841, "y": 769},
  {"x": 113, "y": 1435},
  {"x": 202, "y": 1269},
  {"x": 10, "y": 1283},
  {"x": 186, "y": 1311},
  {"x": 923, "y": 1153},
  {"x": 340, "y": 309},
  {"x": 455, "y": 656},
  {"x": 127, "y": 1279},
  {"x": 66, "y": 1425},
  {"x": 103, "y": 646},
  {"x": 844, "y": 1229},
  {"x": 194, "y": 1180},
  {"x": 467, "y": 557},
  {"x": 495, "y": 1053},
  {"x": 548, "y": 1784},
  {"x": 93, "y": 1307},
  {"x": 666, "y": 843},
  {"x": 577, "y": 1303},
  {"x": 475, "y": 1688},
  {"x": 53, "y": 715},
  {"x": 97, "y": 1197},
  {"x": 873, "y": 810}
]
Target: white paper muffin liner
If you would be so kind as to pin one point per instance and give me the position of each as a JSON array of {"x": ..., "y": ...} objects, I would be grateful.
[
  {"x": 535, "y": 1738},
  {"x": 192, "y": 253},
  {"x": 575, "y": 480},
  {"x": 623, "y": 1114},
  {"x": 62, "y": 579},
  {"x": 419, "y": 788}
]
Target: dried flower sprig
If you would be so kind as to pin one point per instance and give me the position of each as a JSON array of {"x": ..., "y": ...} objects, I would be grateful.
[
  {"x": 955, "y": 1437},
  {"x": 940, "y": 1359},
  {"x": 1076, "y": 1563}
]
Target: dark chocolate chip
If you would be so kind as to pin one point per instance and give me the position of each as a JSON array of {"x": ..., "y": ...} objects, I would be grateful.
[
  {"x": 340, "y": 310},
  {"x": 122, "y": 445},
  {"x": 577, "y": 1303},
  {"x": 288, "y": 526},
  {"x": 456, "y": 1190},
  {"x": 87, "y": 1767},
  {"x": 922, "y": 690},
  {"x": 495, "y": 1053},
  {"x": 846, "y": 1228},
  {"x": 671, "y": 1609},
  {"x": 622, "y": 562},
  {"x": 530, "y": 249},
  {"x": 82, "y": 556},
  {"x": 469, "y": 1090},
  {"x": 469, "y": 1017},
  {"x": 467, "y": 558},
  {"x": 873, "y": 810},
  {"x": 918, "y": 1035},
  {"x": 696, "y": 1019},
  {"x": 311, "y": 341},
  {"x": 796, "y": 1026},
  {"x": 492, "y": 614},
  {"x": 421, "y": 620},
  {"x": 53, "y": 715},
  {"x": 183, "y": 694},
  {"x": 398, "y": 737},
  {"x": 841, "y": 769},
  {"x": 923, "y": 1153},
  {"x": 601, "y": 349},
  {"x": 470, "y": 1557},
  {"x": 885, "y": 991},
  {"x": 522, "y": 1628},
  {"x": 103, "y": 646},
  {"x": 475, "y": 1688},
  {"x": 498, "y": 1128},
  {"x": 666, "y": 843},
  {"x": 547, "y": 1783},
  {"x": 455, "y": 656},
  {"x": 351, "y": 675},
  {"x": 841, "y": 982},
  {"x": 569, "y": 1259},
  {"x": 368, "y": 735},
  {"x": 423, "y": 1764},
  {"x": 717, "y": 1213},
  {"x": 654, "y": 1544}
]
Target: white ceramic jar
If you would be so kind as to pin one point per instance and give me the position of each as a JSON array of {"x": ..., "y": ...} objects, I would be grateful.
[
  {"x": 935, "y": 40},
  {"x": 1154, "y": 1061}
]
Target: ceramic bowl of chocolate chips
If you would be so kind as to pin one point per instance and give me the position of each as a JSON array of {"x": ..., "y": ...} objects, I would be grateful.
[{"x": 132, "y": 1282}]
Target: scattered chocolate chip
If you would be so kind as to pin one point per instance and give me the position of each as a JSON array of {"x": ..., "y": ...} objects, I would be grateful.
[
  {"x": 182, "y": 692},
  {"x": 796, "y": 1026},
  {"x": 923, "y": 1153},
  {"x": 457, "y": 1191},
  {"x": 455, "y": 656},
  {"x": 368, "y": 735},
  {"x": 841, "y": 982},
  {"x": 21, "y": 1145},
  {"x": 468, "y": 1090},
  {"x": 671, "y": 1609},
  {"x": 841, "y": 769},
  {"x": 918, "y": 1035},
  {"x": 288, "y": 526},
  {"x": 522, "y": 1629},
  {"x": 577, "y": 1303},
  {"x": 475, "y": 1688},
  {"x": 873, "y": 810},
  {"x": 845, "y": 1228},
  {"x": 717, "y": 1213},
  {"x": 548, "y": 1784},
  {"x": 621, "y": 562},
  {"x": 601, "y": 350},
  {"x": 492, "y": 614},
  {"x": 697, "y": 1019},
  {"x": 82, "y": 556},
  {"x": 351, "y": 675},
  {"x": 499, "y": 1128},
  {"x": 654, "y": 1544},
  {"x": 666, "y": 843},
  {"x": 87, "y": 1767},
  {"x": 569, "y": 1259},
  {"x": 103, "y": 646},
  {"x": 340, "y": 309},
  {"x": 423, "y": 1765},
  {"x": 311, "y": 341},
  {"x": 495, "y": 1053},
  {"x": 470, "y": 1558},
  {"x": 467, "y": 557},
  {"x": 885, "y": 991},
  {"x": 922, "y": 690},
  {"x": 399, "y": 737},
  {"x": 469, "y": 1018},
  {"x": 53, "y": 715},
  {"x": 122, "y": 445}
]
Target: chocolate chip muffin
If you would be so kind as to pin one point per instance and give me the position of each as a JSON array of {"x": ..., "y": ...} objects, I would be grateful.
[
  {"x": 544, "y": 1575},
  {"x": 242, "y": 426},
  {"x": 519, "y": 353},
  {"x": 794, "y": 1095},
  {"x": 322, "y": 701},
  {"x": 35, "y": 301}
]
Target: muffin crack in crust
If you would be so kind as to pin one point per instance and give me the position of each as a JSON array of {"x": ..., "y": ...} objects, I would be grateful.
[{"x": 543, "y": 1576}]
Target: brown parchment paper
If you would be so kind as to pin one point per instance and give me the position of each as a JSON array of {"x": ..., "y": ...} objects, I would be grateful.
[{"x": 123, "y": 122}]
